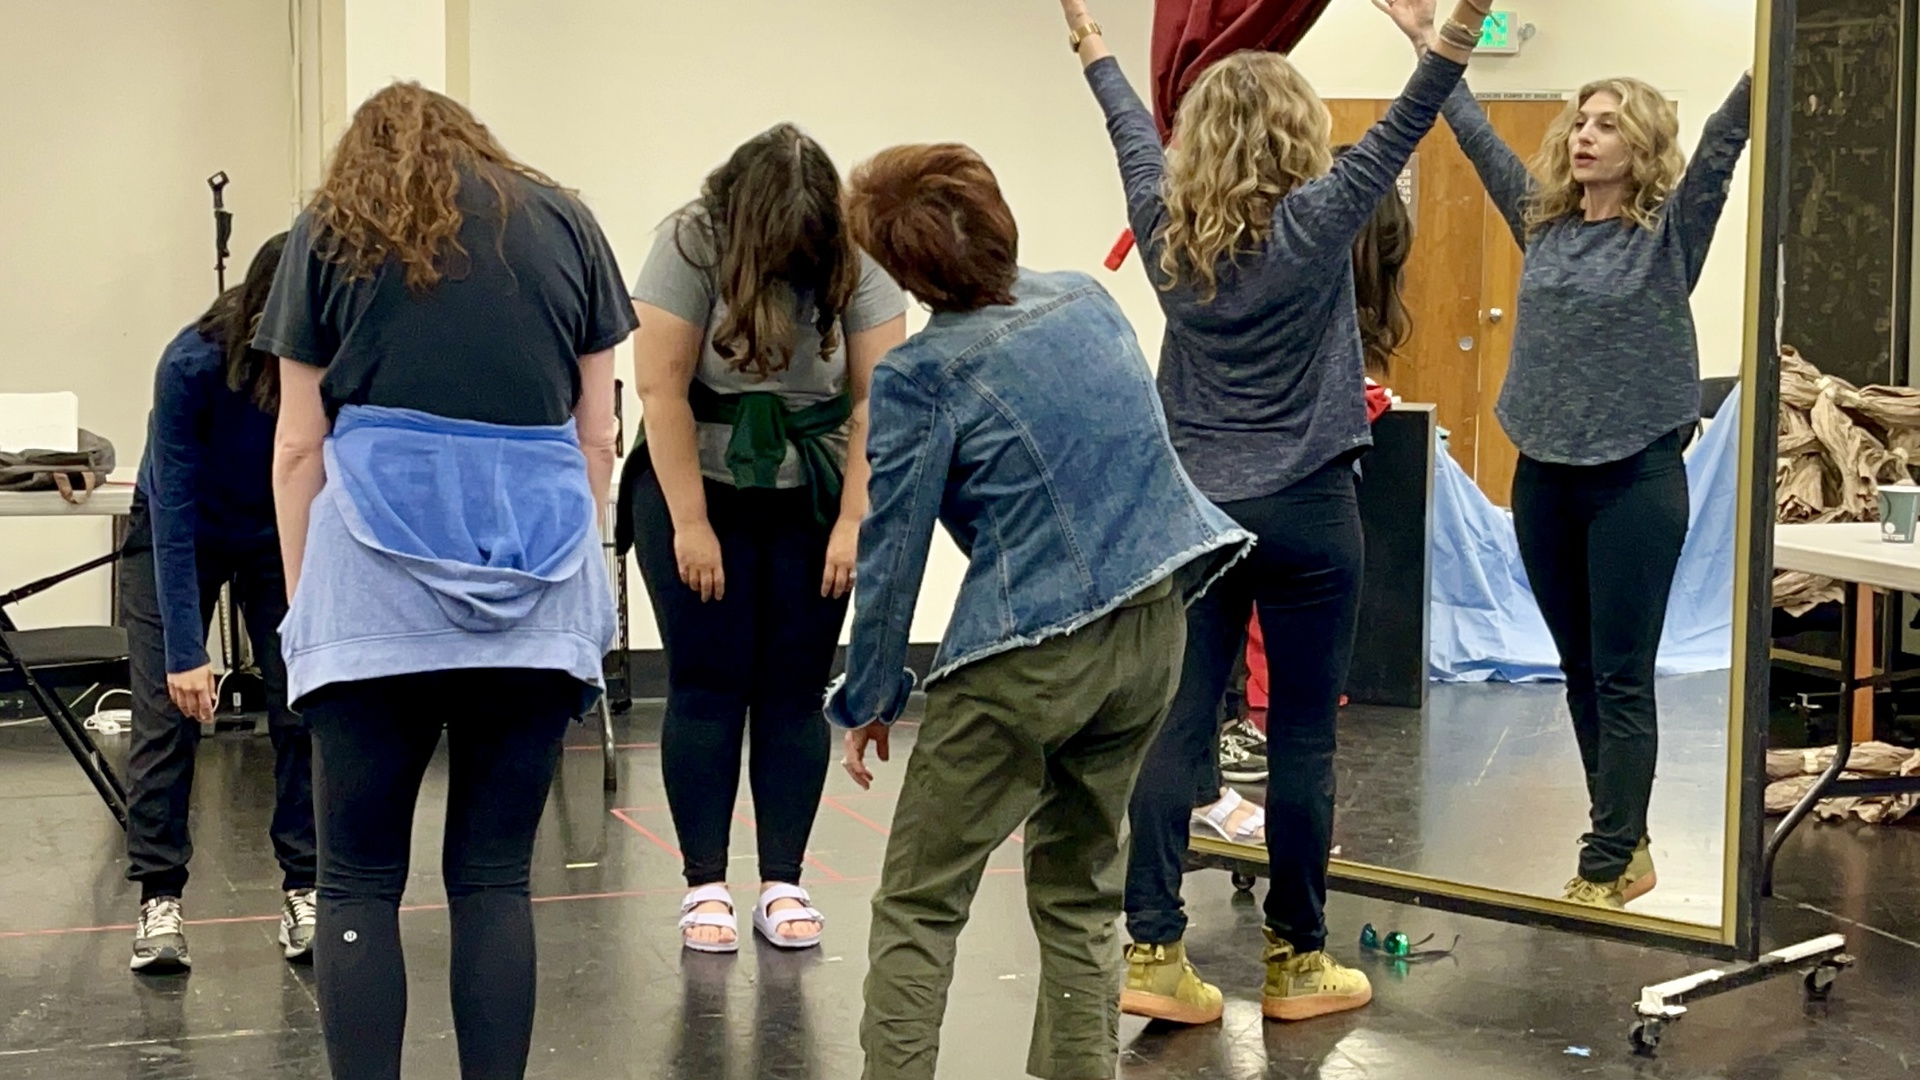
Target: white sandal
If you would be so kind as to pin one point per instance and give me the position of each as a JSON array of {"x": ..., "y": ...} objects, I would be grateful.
[
  {"x": 689, "y": 918},
  {"x": 1215, "y": 820},
  {"x": 769, "y": 923}
]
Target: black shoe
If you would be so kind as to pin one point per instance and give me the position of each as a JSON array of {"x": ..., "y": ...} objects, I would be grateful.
[
  {"x": 296, "y": 926},
  {"x": 1243, "y": 753},
  {"x": 160, "y": 942}
]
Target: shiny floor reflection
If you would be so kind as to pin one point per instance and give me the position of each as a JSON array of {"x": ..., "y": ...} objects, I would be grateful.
[
  {"x": 619, "y": 998},
  {"x": 1487, "y": 788}
]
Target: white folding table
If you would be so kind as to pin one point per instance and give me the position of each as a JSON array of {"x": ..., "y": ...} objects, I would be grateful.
[{"x": 1856, "y": 556}]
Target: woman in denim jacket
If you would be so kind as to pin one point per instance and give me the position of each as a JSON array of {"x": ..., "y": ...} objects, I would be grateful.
[{"x": 1023, "y": 419}]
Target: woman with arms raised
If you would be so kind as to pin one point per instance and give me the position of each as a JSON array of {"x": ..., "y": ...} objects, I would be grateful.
[
  {"x": 1247, "y": 232},
  {"x": 1602, "y": 389}
]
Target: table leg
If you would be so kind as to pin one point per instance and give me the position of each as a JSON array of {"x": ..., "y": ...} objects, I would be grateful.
[
  {"x": 1862, "y": 658},
  {"x": 1843, "y": 741}
]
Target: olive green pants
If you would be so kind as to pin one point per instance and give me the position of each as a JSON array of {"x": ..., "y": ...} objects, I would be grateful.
[{"x": 1051, "y": 735}]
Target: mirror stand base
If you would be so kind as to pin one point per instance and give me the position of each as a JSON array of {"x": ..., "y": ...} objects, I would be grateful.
[{"x": 1818, "y": 962}]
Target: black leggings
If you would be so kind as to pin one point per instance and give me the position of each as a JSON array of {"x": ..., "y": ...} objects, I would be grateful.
[
  {"x": 765, "y": 649},
  {"x": 1600, "y": 544},
  {"x": 1303, "y": 577},
  {"x": 372, "y": 743}
]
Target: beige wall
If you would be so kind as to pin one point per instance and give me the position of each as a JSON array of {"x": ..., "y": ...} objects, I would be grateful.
[
  {"x": 1694, "y": 50},
  {"x": 634, "y": 102},
  {"x": 115, "y": 114}
]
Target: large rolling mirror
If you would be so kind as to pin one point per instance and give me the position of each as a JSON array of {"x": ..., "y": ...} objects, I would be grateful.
[{"x": 1475, "y": 768}]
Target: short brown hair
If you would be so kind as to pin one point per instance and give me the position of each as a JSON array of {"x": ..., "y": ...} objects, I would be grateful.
[{"x": 933, "y": 217}]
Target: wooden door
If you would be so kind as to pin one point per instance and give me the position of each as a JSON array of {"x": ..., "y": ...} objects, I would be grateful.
[
  {"x": 1442, "y": 281},
  {"x": 1465, "y": 267},
  {"x": 1523, "y": 124}
]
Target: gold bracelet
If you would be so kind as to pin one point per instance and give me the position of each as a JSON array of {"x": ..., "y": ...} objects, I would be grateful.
[
  {"x": 1075, "y": 39},
  {"x": 1458, "y": 34}
]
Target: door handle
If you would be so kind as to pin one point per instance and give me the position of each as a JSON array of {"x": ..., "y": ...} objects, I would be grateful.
[{"x": 1496, "y": 315}]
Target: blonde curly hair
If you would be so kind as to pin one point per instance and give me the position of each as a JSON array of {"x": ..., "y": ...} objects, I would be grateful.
[
  {"x": 1251, "y": 130},
  {"x": 1651, "y": 129},
  {"x": 393, "y": 186}
]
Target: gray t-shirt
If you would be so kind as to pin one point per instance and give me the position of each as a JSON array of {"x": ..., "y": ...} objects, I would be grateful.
[
  {"x": 680, "y": 277},
  {"x": 1604, "y": 358}
]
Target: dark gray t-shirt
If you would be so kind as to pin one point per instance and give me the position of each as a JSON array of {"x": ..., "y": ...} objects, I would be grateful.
[
  {"x": 1265, "y": 384},
  {"x": 495, "y": 340},
  {"x": 680, "y": 277},
  {"x": 1605, "y": 360}
]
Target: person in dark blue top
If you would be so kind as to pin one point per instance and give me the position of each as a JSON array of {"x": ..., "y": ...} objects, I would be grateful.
[{"x": 203, "y": 516}]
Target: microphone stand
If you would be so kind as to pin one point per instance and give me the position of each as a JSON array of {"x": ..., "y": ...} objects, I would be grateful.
[{"x": 240, "y": 685}]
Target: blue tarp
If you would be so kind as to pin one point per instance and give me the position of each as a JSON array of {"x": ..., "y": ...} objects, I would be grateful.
[{"x": 1486, "y": 625}]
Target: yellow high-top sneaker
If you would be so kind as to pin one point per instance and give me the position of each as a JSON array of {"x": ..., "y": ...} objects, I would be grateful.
[
  {"x": 1162, "y": 985},
  {"x": 1301, "y": 987},
  {"x": 1639, "y": 879}
]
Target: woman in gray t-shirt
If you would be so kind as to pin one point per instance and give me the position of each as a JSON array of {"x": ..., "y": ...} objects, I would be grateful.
[{"x": 760, "y": 326}]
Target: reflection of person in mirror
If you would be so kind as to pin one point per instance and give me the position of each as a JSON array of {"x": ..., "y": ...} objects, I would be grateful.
[
  {"x": 202, "y": 516},
  {"x": 1247, "y": 229},
  {"x": 1064, "y": 649},
  {"x": 760, "y": 324},
  {"x": 1601, "y": 396}
]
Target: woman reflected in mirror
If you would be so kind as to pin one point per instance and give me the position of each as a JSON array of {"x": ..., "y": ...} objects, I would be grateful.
[
  {"x": 1246, "y": 228},
  {"x": 1601, "y": 395}
]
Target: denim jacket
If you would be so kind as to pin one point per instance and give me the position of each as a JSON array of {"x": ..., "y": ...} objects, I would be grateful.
[{"x": 1034, "y": 434}]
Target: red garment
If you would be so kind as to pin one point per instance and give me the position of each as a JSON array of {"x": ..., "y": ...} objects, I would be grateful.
[
  {"x": 1378, "y": 402},
  {"x": 1189, "y": 36}
]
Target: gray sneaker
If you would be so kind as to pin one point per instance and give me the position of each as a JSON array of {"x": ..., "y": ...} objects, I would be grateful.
[
  {"x": 296, "y": 925},
  {"x": 160, "y": 942}
]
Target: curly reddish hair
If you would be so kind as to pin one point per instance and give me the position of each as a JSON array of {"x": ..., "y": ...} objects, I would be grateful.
[
  {"x": 393, "y": 185},
  {"x": 933, "y": 217}
]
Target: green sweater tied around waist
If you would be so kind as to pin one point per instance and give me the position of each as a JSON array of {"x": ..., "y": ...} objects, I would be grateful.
[{"x": 763, "y": 428}]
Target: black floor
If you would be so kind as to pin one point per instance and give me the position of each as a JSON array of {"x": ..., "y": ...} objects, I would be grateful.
[{"x": 619, "y": 999}]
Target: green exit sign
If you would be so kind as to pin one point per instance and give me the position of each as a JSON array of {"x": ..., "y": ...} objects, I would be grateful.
[{"x": 1500, "y": 34}]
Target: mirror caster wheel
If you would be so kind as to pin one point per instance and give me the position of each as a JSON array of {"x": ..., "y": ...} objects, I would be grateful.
[
  {"x": 1645, "y": 1036},
  {"x": 1243, "y": 882},
  {"x": 1819, "y": 982}
]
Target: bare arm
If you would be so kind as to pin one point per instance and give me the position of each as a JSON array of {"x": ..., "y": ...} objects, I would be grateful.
[
  {"x": 299, "y": 471},
  {"x": 594, "y": 421},
  {"x": 666, "y": 350},
  {"x": 864, "y": 353}
]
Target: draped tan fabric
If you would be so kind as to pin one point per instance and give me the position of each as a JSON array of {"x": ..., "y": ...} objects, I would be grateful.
[{"x": 1838, "y": 444}]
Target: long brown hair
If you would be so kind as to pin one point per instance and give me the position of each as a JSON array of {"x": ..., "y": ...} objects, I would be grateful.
[
  {"x": 393, "y": 186},
  {"x": 773, "y": 216},
  {"x": 232, "y": 320},
  {"x": 1380, "y": 255}
]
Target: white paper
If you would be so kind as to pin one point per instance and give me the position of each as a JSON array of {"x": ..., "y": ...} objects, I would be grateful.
[{"x": 40, "y": 421}]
